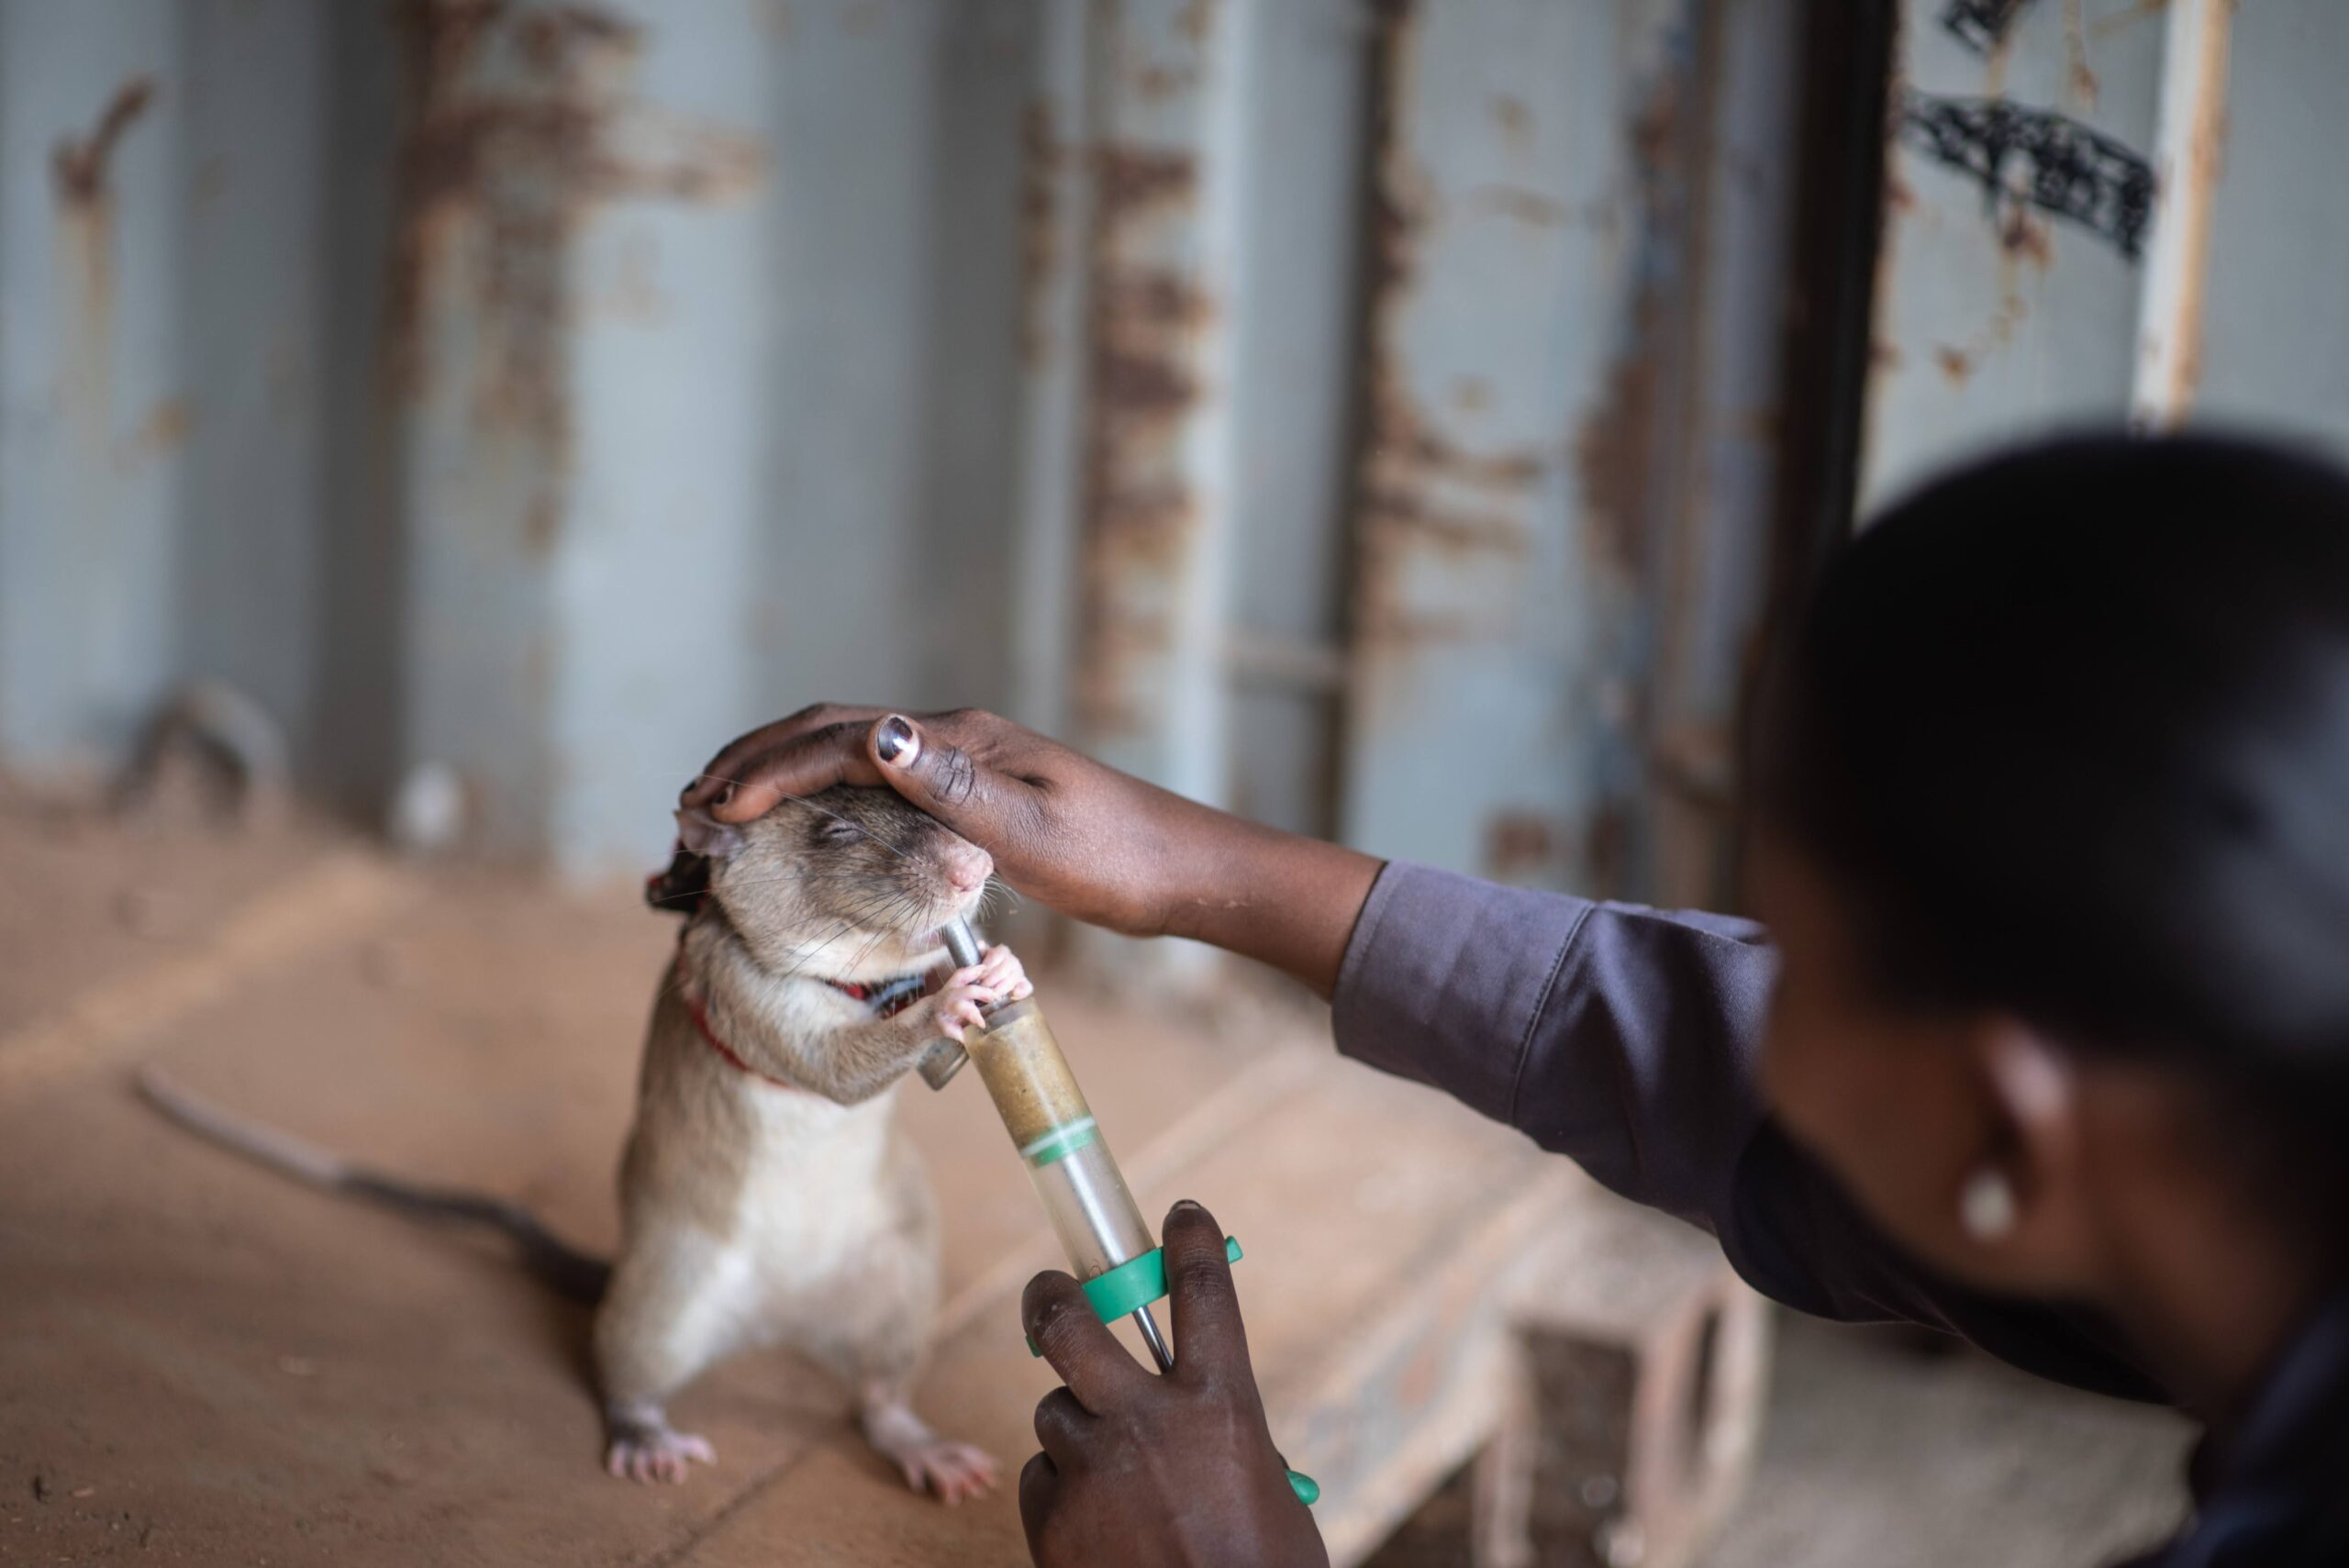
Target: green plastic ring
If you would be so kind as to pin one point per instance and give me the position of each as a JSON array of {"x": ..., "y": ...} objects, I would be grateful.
[{"x": 1134, "y": 1285}]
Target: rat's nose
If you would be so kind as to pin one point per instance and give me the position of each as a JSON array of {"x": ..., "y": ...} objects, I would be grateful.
[{"x": 967, "y": 868}]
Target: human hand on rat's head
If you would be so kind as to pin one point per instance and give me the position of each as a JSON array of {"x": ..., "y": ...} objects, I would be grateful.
[
  {"x": 1148, "y": 1471},
  {"x": 1065, "y": 830}
]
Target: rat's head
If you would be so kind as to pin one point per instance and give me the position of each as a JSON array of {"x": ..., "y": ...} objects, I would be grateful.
[{"x": 851, "y": 884}]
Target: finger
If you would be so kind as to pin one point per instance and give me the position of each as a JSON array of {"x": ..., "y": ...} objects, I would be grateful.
[
  {"x": 1060, "y": 1321},
  {"x": 1062, "y": 1427},
  {"x": 739, "y": 753},
  {"x": 1040, "y": 1484},
  {"x": 1210, "y": 1345},
  {"x": 922, "y": 763},
  {"x": 827, "y": 755}
]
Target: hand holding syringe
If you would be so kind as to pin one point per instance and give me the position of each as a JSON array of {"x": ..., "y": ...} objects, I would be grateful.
[{"x": 1108, "y": 1242}]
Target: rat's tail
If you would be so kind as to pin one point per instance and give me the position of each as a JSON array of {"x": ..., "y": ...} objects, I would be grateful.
[{"x": 546, "y": 1255}]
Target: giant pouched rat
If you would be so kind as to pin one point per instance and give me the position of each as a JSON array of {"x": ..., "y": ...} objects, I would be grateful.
[{"x": 767, "y": 1196}]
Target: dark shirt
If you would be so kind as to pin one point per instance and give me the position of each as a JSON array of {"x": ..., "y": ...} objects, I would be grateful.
[{"x": 1625, "y": 1039}]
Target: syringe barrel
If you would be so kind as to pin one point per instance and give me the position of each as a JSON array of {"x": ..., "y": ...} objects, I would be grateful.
[{"x": 1052, "y": 1127}]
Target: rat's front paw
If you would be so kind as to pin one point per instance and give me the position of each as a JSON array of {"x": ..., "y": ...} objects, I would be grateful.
[
  {"x": 656, "y": 1453},
  {"x": 1000, "y": 968}
]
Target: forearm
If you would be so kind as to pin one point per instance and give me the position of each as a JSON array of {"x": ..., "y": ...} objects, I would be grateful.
[{"x": 1283, "y": 899}]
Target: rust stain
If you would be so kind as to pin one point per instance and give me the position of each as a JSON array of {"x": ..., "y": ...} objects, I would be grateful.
[
  {"x": 1404, "y": 448},
  {"x": 1885, "y": 354},
  {"x": 1399, "y": 513},
  {"x": 1617, "y": 447},
  {"x": 1421, "y": 490},
  {"x": 1516, "y": 122},
  {"x": 1133, "y": 178},
  {"x": 1611, "y": 457},
  {"x": 1515, "y": 201},
  {"x": 1519, "y": 843},
  {"x": 1156, "y": 84},
  {"x": 1896, "y": 193},
  {"x": 80, "y": 167},
  {"x": 165, "y": 429},
  {"x": 495, "y": 179},
  {"x": 2022, "y": 236},
  {"x": 1994, "y": 74},
  {"x": 1144, "y": 327},
  {"x": 1955, "y": 364},
  {"x": 1040, "y": 242},
  {"x": 1607, "y": 846},
  {"x": 2134, "y": 14},
  {"x": 1195, "y": 20},
  {"x": 2075, "y": 43}
]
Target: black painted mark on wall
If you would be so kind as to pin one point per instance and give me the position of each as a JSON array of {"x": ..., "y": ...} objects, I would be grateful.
[
  {"x": 1981, "y": 24},
  {"x": 2036, "y": 157}
]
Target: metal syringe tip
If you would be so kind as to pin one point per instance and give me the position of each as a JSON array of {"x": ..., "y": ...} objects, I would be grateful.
[{"x": 960, "y": 942}]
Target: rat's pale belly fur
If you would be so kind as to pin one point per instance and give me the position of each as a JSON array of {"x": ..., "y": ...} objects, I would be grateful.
[{"x": 815, "y": 1229}]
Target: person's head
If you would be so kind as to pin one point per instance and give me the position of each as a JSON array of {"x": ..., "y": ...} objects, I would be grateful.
[{"x": 2054, "y": 797}]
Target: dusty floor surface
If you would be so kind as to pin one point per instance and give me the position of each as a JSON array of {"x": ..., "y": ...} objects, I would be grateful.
[
  {"x": 1875, "y": 1456},
  {"x": 200, "y": 1363}
]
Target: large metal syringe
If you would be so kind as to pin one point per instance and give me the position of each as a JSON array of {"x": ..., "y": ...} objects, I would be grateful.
[
  {"x": 1108, "y": 1243},
  {"x": 1101, "y": 1227}
]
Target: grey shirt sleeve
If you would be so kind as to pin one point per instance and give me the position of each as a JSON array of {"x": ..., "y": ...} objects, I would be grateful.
[
  {"x": 1620, "y": 1035},
  {"x": 1626, "y": 1038}
]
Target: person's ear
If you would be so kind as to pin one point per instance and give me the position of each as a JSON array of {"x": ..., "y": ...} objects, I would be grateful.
[
  {"x": 2023, "y": 1202},
  {"x": 704, "y": 835}
]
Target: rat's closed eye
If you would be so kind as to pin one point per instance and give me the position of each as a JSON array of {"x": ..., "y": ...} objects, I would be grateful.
[{"x": 840, "y": 832}]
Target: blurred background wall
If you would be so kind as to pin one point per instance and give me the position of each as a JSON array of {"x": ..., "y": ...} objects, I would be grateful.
[{"x": 1392, "y": 420}]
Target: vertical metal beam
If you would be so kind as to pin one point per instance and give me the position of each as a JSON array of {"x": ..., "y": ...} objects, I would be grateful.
[
  {"x": 92, "y": 418},
  {"x": 1293, "y": 407},
  {"x": 1707, "y": 591},
  {"x": 660, "y": 465},
  {"x": 254, "y": 299},
  {"x": 1518, "y": 388},
  {"x": 574, "y": 414},
  {"x": 1170, "y": 189},
  {"x": 1056, "y": 224},
  {"x": 2275, "y": 318},
  {"x": 2186, "y": 160}
]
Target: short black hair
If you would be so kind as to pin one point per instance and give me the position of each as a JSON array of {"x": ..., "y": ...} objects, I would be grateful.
[{"x": 2070, "y": 727}]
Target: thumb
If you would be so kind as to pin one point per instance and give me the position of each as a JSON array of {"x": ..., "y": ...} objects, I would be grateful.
[{"x": 931, "y": 771}]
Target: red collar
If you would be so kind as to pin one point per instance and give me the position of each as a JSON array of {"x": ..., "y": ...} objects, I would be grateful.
[
  {"x": 888, "y": 998},
  {"x": 701, "y": 1022}
]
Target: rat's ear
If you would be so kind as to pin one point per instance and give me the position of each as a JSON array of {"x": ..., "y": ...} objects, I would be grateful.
[{"x": 706, "y": 835}]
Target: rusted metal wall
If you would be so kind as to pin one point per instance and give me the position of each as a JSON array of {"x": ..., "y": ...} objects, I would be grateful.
[
  {"x": 2101, "y": 209},
  {"x": 1579, "y": 251},
  {"x": 1358, "y": 414},
  {"x": 1288, "y": 400},
  {"x": 94, "y": 414}
]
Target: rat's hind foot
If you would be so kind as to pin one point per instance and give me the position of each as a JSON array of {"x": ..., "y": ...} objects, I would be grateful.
[
  {"x": 948, "y": 1470},
  {"x": 644, "y": 1447}
]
